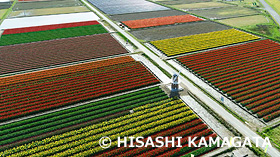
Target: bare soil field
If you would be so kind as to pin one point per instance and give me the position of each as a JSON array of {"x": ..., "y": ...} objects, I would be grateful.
[
  {"x": 179, "y": 30},
  {"x": 48, "y": 11},
  {"x": 225, "y": 12},
  {"x": 245, "y": 21},
  {"x": 46, "y": 4},
  {"x": 5, "y": 5}
]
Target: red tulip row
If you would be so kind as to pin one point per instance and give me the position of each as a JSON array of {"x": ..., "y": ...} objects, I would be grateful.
[
  {"x": 271, "y": 116},
  {"x": 256, "y": 109},
  {"x": 16, "y": 95},
  {"x": 251, "y": 88},
  {"x": 37, "y": 95},
  {"x": 235, "y": 71},
  {"x": 199, "y": 59},
  {"x": 239, "y": 71},
  {"x": 244, "y": 84},
  {"x": 30, "y": 77},
  {"x": 269, "y": 111},
  {"x": 260, "y": 91},
  {"x": 48, "y": 27},
  {"x": 248, "y": 73}
]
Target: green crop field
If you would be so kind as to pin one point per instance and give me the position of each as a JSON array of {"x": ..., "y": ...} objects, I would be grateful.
[
  {"x": 2, "y": 12},
  {"x": 275, "y": 4},
  {"x": 11, "y": 39},
  {"x": 200, "y": 5},
  {"x": 225, "y": 12},
  {"x": 248, "y": 3},
  {"x": 246, "y": 21},
  {"x": 274, "y": 134}
]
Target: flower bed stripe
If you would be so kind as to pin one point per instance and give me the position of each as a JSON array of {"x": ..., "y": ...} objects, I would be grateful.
[
  {"x": 48, "y": 27},
  {"x": 28, "y": 37},
  {"x": 187, "y": 44},
  {"x": 168, "y": 20},
  {"x": 160, "y": 118},
  {"x": 249, "y": 73},
  {"x": 66, "y": 118},
  {"x": 41, "y": 93},
  {"x": 55, "y": 52}
]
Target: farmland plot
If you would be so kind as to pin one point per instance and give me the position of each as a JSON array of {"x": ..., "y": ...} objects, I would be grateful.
[
  {"x": 76, "y": 117},
  {"x": 202, "y": 5},
  {"x": 172, "y": 2},
  {"x": 46, "y": 4},
  {"x": 227, "y": 12},
  {"x": 55, "y": 52},
  {"x": 48, "y": 27},
  {"x": 47, "y": 11},
  {"x": 179, "y": 30},
  {"x": 5, "y": 5},
  {"x": 146, "y": 15},
  {"x": 246, "y": 21},
  {"x": 168, "y": 20},
  {"x": 11, "y": 39},
  {"x": 187, "y": 44},
  {"x": 164, "y": 118},
  {"x": 248, "y": 73},
  {"x": 43, "y": 90},
  {"x": 126, "y": 6}
]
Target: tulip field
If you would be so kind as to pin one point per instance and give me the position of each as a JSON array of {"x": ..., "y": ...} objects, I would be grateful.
[
  {"x": 248, "y": 73},
  {"x": 48, "y": 27},
  {"x": 187, "y": 44},
  {"x": 43, "y": 90},
  {"x": 76, "y": 117},
  {"x": 16, "y": 58},
  {"x": 33, "y": 36},
  {"x": 168, "y": 20},
  {"x": 177, "y": 30},
  {"x": 169, "y": 117},
  {"x": 67, "y": 81}
]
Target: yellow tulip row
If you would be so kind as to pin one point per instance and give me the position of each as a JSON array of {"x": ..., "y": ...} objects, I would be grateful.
[
  {"x": 161, "y": 104},
  {"x": 144, "y": 115},
  {"x": 182, "y": 119},
  {"x": 156, "y": 121},
  {"x": 92, "y": 139},
  {"x": 180, "y": 45}
]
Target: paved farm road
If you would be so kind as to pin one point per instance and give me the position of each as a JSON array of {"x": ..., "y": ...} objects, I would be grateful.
[{"x": 271, "y": 11}]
